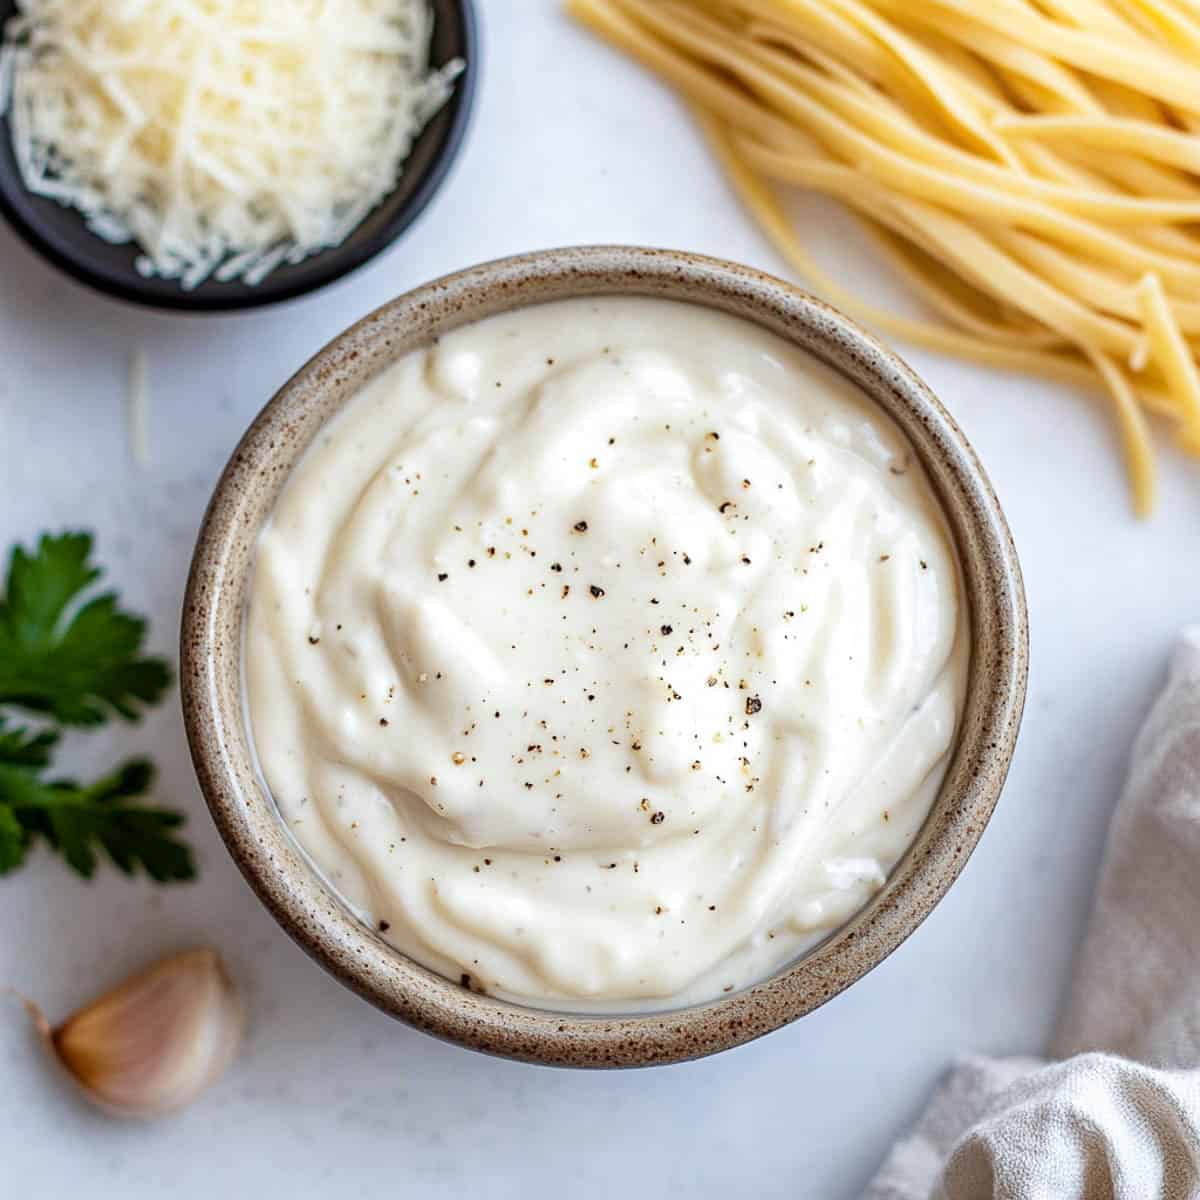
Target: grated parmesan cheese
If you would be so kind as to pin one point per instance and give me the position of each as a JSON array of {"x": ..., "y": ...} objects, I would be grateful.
[
  {"x": 224, "y": 137},
  {"x": 138, "y": 408}
]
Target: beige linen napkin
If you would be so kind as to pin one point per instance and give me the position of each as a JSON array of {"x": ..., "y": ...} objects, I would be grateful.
[{"x": 1119, "y": 1116}]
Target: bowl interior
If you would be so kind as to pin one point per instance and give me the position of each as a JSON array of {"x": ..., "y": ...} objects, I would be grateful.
[
  {"x": 60, "y": 234},
  {"x": 211, "y": 673}
]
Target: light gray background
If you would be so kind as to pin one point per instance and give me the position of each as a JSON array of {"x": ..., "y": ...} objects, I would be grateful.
[{"x": 570, "y": 144}]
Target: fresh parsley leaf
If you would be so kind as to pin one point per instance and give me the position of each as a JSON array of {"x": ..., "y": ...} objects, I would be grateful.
[
  {"x": 20, "y": 748},
  {"x": 21, "y": 756},
  {"x": 100, "y": 816},
  {"x": 14, "y": 840},
  {"x": 73, "y": 658},
  {"x": 78, "y": 821}
]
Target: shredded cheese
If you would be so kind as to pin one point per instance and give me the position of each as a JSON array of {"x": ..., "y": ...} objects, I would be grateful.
[
  {"x": 138, "y": 408},
  {"x": 224, "y": 137}
]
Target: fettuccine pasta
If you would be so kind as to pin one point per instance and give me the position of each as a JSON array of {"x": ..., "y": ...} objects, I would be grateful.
[{"x": 1029, "y": 167}]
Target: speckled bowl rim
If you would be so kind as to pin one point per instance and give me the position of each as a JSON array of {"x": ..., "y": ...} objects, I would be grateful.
[{"x": 211, "y": 661}]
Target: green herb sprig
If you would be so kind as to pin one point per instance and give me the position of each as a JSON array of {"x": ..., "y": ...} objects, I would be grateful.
[{"x": 74, "y": 659}]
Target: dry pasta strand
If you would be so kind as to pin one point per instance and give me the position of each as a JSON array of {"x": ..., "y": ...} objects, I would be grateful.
[
  {"x": 1171, "y": 352},
  {"x": 1139, "y": 456},
  {"x": 1128, "y": 136}
]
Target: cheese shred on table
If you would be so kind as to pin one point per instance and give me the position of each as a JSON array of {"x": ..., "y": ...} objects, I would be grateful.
[{"x": 224, "y": 137}]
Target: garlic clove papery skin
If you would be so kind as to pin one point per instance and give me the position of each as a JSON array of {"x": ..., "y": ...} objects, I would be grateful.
[{"x": 155, "y": 1042}]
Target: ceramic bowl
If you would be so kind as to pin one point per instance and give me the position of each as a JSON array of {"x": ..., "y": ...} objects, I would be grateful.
[
  {"x": 211, "y": 670},
  {"x": 60, "y": 235}
]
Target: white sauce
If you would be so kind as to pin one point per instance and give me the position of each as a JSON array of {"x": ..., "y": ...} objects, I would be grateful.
[{"x": 609, "y": 653}]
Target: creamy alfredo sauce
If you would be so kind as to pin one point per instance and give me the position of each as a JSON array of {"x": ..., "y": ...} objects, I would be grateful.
[{"x": 606, "y": 654}]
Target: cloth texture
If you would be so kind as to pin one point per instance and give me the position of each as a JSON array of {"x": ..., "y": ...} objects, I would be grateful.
[{"x": 1115, "y": 1113}]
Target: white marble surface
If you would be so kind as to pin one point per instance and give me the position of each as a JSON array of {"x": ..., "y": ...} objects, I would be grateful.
[{"x": 570, "y": 144}]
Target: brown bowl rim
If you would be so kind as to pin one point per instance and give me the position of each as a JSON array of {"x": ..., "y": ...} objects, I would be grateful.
[{"x": 308, "y": 910}]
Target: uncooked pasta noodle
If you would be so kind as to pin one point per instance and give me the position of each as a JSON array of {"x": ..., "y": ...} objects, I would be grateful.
[{"x": 1028, "y": 168}]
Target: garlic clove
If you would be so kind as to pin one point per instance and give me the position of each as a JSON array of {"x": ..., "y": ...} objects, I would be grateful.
[{"x": 156, "y": 1041}]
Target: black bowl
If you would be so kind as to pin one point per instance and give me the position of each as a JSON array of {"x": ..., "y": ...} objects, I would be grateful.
[{"x": 60, "y": 235}]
